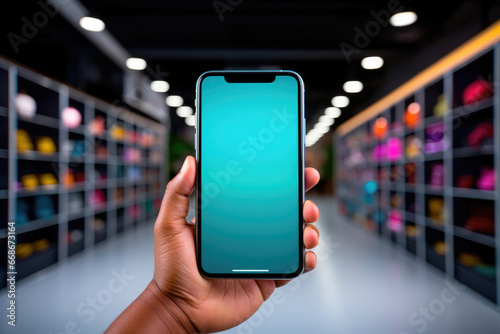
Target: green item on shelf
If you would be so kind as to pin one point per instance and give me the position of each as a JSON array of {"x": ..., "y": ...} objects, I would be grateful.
[{"x": 486, "y": 270}]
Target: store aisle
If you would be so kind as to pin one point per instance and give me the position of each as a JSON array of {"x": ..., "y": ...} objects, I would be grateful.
[{"x": 361, "y": 285}]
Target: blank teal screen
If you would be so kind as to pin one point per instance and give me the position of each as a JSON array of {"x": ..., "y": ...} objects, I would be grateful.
[{"x": 249, "y": 189}]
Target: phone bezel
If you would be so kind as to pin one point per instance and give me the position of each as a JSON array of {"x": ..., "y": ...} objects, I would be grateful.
[{"x": 250, "y": 76}]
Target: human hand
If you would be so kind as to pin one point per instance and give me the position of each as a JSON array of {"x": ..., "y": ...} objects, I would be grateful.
[
  {"x": 179, "y": 299},
  {"x": 211, "y": 304}
]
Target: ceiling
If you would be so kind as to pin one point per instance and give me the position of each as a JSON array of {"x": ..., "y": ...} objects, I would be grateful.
[{"x": 183, "y": 38}]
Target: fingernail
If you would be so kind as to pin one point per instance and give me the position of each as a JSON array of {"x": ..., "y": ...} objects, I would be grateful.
[{"x": 184, "y": 165}]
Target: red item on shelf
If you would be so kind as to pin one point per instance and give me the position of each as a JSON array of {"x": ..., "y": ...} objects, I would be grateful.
[
  {"x": 478, "y": 90},
  {"x": 481, "y": 132},
  {"x": 466, "y": 181},
  {"x": 481, "y": 218}
]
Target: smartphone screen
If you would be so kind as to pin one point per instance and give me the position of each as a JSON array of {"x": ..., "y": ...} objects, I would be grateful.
[{"x": 250, "y": 174}]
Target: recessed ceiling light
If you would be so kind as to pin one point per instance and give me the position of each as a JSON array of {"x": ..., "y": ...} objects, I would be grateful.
[
  {"x": 174, "y": 101},
  {"x": 184, "y": 111},
  {"x": 326, "y": 120},
  {"x": 403, "y": 19},
  {"x": 137, "y": 64},
  {"x": 160, "y": 86},
  {"x": 372, "y": 63},
  {"x": 333, "y": 112},
  {"x": 340, "y": 101},
  {"x": 321, "y": 128},
  {"x": 190, "y": 120},
  {"x": 92, "y": 24},
  {"x": 353, "y": 86}
]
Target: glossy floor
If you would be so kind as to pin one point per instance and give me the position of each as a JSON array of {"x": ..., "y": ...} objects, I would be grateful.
[{"x": 361, "y": 285}]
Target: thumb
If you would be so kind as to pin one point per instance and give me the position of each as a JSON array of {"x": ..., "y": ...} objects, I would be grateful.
[{"x": 175, "y": 203}]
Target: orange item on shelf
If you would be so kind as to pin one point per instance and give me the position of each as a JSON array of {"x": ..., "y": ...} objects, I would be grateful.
[
  {"x": 68, "y": 179},
  {"x": 97, "y": 127},
  {"x": 469, "y": 259},
  {"x": 41, "y": 245},
  {"x": 436, "y": 209},
  {"x": 380, "y": 127},
  {"x": 412, "y": 114},
  {"x": 117, "y": 132},
  {"x": 441, "y": 248},
  {"x": 23, "y": 250},
  {"x": 412, "y": 231}
]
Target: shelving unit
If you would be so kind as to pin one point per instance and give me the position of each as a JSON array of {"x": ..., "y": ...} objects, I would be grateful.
[
  {"x": 109, "y": 192},
  {"x": 427, "y": 200}
]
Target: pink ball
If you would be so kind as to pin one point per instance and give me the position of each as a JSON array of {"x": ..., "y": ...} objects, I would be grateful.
[
  {"x": 71, "y": 117},
  {"x": 25, "y": 105}
]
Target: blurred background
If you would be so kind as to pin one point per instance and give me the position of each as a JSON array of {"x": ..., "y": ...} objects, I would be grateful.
[{"x": 402, "y": 108}]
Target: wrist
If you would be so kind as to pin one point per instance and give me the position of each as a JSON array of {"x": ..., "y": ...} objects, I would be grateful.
[{"x": 168, "y": 312}]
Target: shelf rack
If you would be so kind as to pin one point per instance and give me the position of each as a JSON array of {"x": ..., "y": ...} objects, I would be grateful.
[
  {"x": 132, "y": 190},
  {"x": 403, "y": 187}
]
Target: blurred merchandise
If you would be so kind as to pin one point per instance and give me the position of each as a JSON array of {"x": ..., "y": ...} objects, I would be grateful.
[
  {"x": 74, "y": 236},
  {"x": 413, "y": 147},
  {"x": 395, "y": 221},
  {"x": 134, "y": 211},
  {"x": 486, "y": 179},
  {"x": 75, "y": 201},
  {"x": 97, "y": 199},
  {"x": 476, "y": 91},
  {"x": 436, "y": 211},
  {"x": 68, "y": 178},
  {"x": 466, "y": 181},
  {"x": 25, "y": 106},
  {"x": 131, "y": 137},
  {"x": 117, "y": 132},
  {"x": 482, "y": 134},
  {"x": 434, "y": 138},
  {"x": 23, "y": 250},
  {"x": 45, "y": 145},
  {"x": 133, "y": 174},
  {"x": 71, "y": 117},
  {"x": 44, "y": 207},
  {"x": 481, "y": 218},
  {"x": 396, "y": 201},
  {"x": 379, "y": 153},
  {"x": 412, "y": 115},
  {"x": 97, "y": 126},
  {"x": 101, "y": 151},
  {"x": 48, "y": 181},
  {"x": 41, "y": 244},
  {"x": 440, "y": 248},
  {"x": 24, "y": 143},
  {"x": 380, "y": 127},
  {"x": 29, "y": 182},
  {"x": 98, "y": 225},
  {"x": 146, "y": 138},
  {"x": 131, "y": 155},
  {"x": 437, "y": 175},
  {"x": 413, "y": 231},
  {"x": 394, "y": 148},
  {"x": 441, "y": 106},
  {"x": 469, "y": 259},
  {"x": 22, "y": 210}
]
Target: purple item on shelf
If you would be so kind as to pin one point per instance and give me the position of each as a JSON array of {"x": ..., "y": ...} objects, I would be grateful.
[
  {"x": 435, "y": 140},
  {"x": 379, "y": 153},
  {"x": 437, "y": 175},
  {"x": 394, "y": 148}
]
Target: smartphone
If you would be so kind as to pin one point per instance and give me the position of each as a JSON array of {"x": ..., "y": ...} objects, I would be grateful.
[{"x": 250, "y": 174}]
